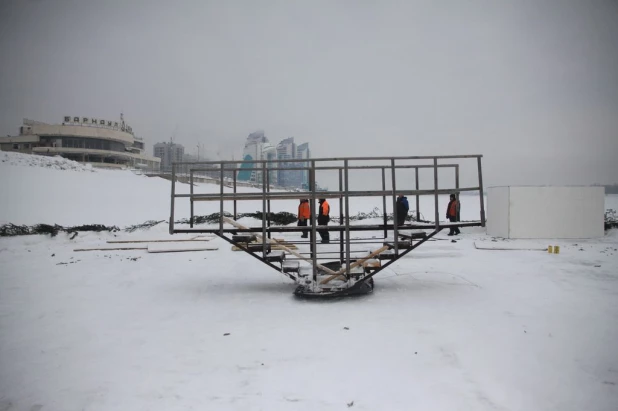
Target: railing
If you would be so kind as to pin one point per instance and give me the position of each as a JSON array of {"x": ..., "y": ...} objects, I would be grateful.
[{"x": 234, "y": 166}]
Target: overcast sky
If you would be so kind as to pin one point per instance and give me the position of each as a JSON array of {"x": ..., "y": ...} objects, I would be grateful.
[{"x": 532, "y": 85}]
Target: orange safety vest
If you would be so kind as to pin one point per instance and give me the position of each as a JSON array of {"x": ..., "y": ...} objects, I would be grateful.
[
  {"x": 325, "y": 208},
  {"x": 304, "y": 211},
  {"x": 452, "y": 209}
]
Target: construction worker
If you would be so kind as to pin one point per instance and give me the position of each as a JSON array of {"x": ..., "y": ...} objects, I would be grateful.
[
  {"x": 323, "y": 219},
  {"x": 452, "y": 213},
  {"x": 304, "y": 214},
  {"x": 402, "y": 209}
]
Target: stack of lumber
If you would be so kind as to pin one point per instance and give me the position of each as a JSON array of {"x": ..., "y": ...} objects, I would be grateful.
[{"x": 281, "y": 245}]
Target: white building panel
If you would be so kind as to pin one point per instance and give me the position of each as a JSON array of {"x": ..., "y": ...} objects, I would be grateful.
[
  {"x": 498, "y": 212},
  {"x": 546, "y": 212}
]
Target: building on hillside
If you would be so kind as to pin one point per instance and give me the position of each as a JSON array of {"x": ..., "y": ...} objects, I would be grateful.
[
  {"x": 169, "y": 153},
  {"x": 102, "y": 143}
]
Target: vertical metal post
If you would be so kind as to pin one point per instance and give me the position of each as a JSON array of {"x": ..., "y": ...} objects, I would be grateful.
[
  {"x": 435, "y": 187},
  {"x": 312, "y": 239},
  {"x": 221, "y": 165},
  {"x": 191, "y": 198},
  {"x": 457, "y": 189},
  {"x": 268, "y": 202},
  {"x": 341, "y": 216},
  {"x": 481, "y": 194},
  {"x": 173, "y": 198},
  {"x": 264, "y": 209},
  {"x": 347, "y": 218},
  {"x": 418, "y": 202},
  {"x": 235, "y": 211},
  {"x": 395, "y": 231},
  {"x": 384, "y": 202}
]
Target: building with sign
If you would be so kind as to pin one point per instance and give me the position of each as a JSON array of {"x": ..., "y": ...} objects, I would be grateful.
[{"x": 99, "y": 142}]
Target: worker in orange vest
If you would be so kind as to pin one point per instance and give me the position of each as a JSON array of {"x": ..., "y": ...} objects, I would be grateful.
[
  {"x": 304, "y": 214},
  {"x": 452, "y": 214},
  {"x": 323, "y": 219}
]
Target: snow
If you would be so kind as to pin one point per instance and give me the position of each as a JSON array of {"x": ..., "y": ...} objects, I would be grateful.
[
  {"x": 448, "y": 327},
  {"x": 54, "y": 163}
]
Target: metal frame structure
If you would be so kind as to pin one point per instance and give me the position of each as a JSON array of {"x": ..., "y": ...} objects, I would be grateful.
[{"x": 351, "y": 274}]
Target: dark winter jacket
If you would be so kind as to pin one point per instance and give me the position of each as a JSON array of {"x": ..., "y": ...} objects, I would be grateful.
[
  {"x": 402, "y": 205},
  {"x": 402, "y": 209}
]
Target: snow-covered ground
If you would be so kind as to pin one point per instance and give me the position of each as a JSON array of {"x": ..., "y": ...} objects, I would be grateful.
[{"x": 448, "y": 327}]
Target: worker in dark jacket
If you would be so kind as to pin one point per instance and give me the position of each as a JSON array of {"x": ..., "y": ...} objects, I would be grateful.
[
  {"x": 402, "y": 209},
  {"x": 452, "y": 214},
  {"x": 304, "y": 214},
  {"x": 323, "y": 219}
]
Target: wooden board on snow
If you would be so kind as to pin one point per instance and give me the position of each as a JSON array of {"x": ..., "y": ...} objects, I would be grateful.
[
  {"x": 159, "y": 241},
  {"x": 178, "y": 248},
  {"x": 136, "y": 247},
  {"x": 272, "y": 247},
  {"x": 506, "y": 247}
]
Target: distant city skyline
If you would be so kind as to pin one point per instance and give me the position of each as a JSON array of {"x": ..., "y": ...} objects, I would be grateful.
[{"x": 258, "y": 147}]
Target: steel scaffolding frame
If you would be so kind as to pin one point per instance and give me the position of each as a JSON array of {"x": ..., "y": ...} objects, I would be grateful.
[{"x": 352, "y": 280}]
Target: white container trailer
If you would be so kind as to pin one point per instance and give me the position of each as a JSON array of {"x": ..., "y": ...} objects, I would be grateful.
[{"x": 545, "y": 212}]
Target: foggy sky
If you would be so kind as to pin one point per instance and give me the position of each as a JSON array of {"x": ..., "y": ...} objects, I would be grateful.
[{"x": 532, "y": 85}]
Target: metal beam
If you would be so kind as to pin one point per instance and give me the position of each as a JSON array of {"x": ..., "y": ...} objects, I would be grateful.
[
  {"x": 333, "y": 159},
  {"x": 292, "y": 229},
  {"x": 334, "y": 167},
  {"x": 322, "y": 194}
]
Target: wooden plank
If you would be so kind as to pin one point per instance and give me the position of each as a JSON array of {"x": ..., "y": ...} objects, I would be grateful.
[
  {"x": 180, "y": 250},
  {"x": 372, "y": 263},
  {"x": 112, "y": 248},
  {"x": 508, "y": 248},
  {"x": 287, "y": 249},
  {"x": 196, "y": 238},
  {"x": 272, "y": 247},
  {"x": 355, "y": 264},
  {"x": 280, "y": 242},
  {"x": 154, "y": 241}
]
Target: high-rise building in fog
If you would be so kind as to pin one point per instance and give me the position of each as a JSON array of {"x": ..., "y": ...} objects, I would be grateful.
[
  {"x": 257, "y": 147},
  {"x": 302, "y": 153},
  {"x": 169, "y": 153},
  {"x": 286, "y": 150}
]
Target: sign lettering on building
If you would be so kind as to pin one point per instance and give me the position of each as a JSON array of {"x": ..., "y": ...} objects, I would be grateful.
[{"x": 98, "y": 122}]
